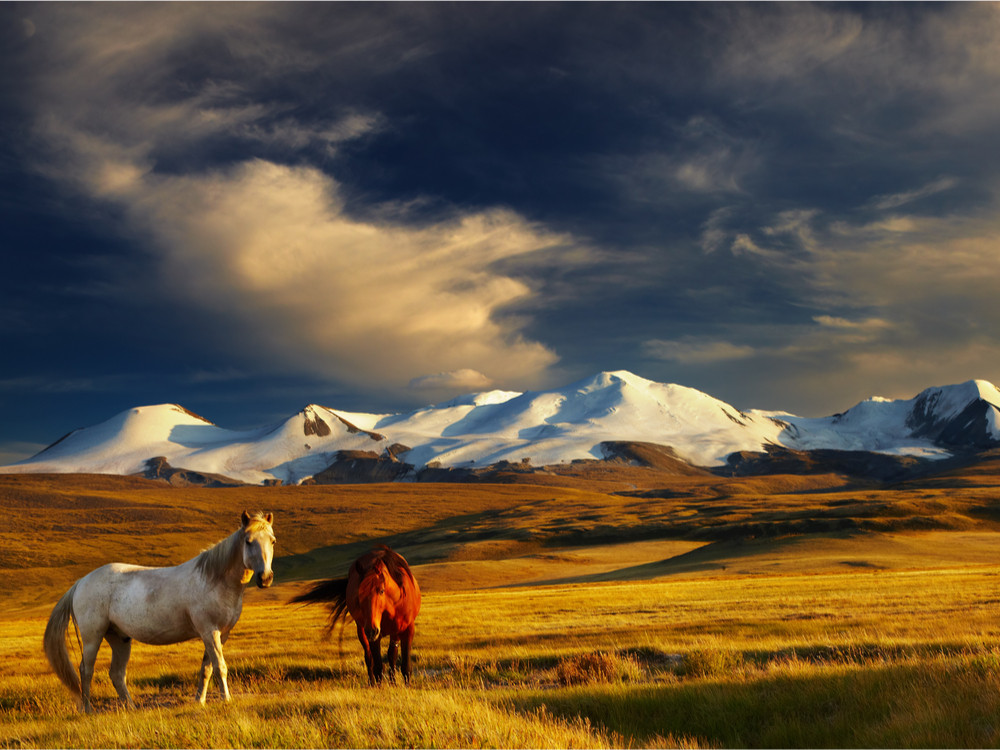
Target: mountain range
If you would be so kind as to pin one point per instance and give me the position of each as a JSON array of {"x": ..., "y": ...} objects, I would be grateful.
[{"x": 590, "y": 420}]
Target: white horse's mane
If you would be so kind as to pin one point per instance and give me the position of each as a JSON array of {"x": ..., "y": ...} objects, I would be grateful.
[{"x": 215, "y": 561}]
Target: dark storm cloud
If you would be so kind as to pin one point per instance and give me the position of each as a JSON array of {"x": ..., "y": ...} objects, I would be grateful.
[{"x": 785, "y": 205}]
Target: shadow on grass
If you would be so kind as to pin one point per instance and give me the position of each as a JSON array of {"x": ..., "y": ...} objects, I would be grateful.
[
  {"x": 244, "y": 675},
  {"x": 432, "y": 543},
  {"x": 936, "y": 703},
  {"x": 717, "y": 556}
]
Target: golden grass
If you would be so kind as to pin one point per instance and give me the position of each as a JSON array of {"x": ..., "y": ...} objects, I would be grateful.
[
  {"x": 552, "y": 616},
  {"x": 58, "y": 528},
  {"x": 516, "y": 667}
]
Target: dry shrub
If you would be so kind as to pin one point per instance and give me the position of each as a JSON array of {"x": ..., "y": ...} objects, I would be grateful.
[
  {"x": 597, "y": 667},
  {"x": 711, "y": 662}
]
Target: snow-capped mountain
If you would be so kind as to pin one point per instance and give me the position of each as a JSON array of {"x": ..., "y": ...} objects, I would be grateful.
[
  {"x": 935, "y": 423},
  {"x": 292, "y": 450},
  {"x": 548, "y": 427}
]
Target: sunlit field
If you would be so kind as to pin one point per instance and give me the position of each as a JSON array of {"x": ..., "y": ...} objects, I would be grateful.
[{"x": 530, "y": 638}]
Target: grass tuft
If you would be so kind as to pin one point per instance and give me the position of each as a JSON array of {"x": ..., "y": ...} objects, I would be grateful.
[
  {"x": 598, "y": 667},
  {"x": 712, "y": 662}
]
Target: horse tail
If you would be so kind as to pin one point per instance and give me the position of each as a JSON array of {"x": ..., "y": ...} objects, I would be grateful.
[
  {"x": 55, "y": 642},
  {"x": 324, "y": 591},
  {"x": 333, "y": 591}
]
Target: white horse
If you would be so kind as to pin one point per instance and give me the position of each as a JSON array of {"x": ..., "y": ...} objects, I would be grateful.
[{"x": 201, "y": 598}]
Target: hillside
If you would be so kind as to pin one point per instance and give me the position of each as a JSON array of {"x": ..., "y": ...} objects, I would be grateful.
[
  {"x": 614, "y": 417},
  {"x": 487, "y": 534}
]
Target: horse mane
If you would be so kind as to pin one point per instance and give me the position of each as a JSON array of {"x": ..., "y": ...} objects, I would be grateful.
[
  {"x": 213, "y": 562},
  {"x": 394, "y": 563},
  {"x": 366, "y": 586}
]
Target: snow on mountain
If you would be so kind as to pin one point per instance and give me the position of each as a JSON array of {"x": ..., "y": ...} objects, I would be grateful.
[
  {"x": 570, "y": 423},
  {"x": 546, "y": 427},
  {"x": 291, "y": 450},
  {"x": 933, "y": 424}
]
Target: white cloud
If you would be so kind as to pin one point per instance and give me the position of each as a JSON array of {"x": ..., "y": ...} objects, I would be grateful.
[
  {"x": 271, "y": 249},
  {"x": 703, "y": 158},
  {"x": 457, "y": 380},
  {"x": 889, "y": 224},
  {"x": 786, "y": 42},
  {"x": 796, "y": 224},
  {"x": 718, "y": 171},
  {"x": 842, "y": 334},
  {"x": 914, "y": 298},
  {"x": 291, "y": 134},
  {"x": 714, "y": 231},
  {"x": 692, "y": 350},
  {"x": 831, "y": 321},
  {"x": 913, "y": 268},
  {"x": 743, "y": 244},
  {"x": 834, "y": 54},
  {"x": 282, "y": 273},
  {"x": 885, "y": 202}
]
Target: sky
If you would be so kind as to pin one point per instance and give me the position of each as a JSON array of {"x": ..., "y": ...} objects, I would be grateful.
[{"x": 247, "y": 208}]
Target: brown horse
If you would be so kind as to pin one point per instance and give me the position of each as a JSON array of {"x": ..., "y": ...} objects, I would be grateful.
[{"x": 382, "y": 596}]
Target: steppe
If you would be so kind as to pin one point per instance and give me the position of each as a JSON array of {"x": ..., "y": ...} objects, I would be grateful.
[{"x": 625, "y": 608}]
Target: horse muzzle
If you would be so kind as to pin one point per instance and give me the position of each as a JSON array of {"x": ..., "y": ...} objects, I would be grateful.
[{"x": 265, "y": 579}]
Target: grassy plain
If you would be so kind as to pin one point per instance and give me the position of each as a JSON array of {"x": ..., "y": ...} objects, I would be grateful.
[{"x": 777, "y": 612}]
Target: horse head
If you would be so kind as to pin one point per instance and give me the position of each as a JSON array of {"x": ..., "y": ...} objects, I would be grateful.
[
  {"x": 258, "y": 547},
  {"x": 377, "y": 595}
]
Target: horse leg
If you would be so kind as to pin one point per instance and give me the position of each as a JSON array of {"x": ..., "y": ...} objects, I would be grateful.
[
  {"x": 121, "y": 649},
  {"x": 369, "y": 660},
  {"x": 213, "y": 649},
  {"x": 92, "y": 625},
  {"x": 406, "y": 640},
  {"x": 204, "y": 677},
  {"x": 89, "y": 648},
  {"x": 377, "y": 659},
  {"x": 390, "y": 657}
]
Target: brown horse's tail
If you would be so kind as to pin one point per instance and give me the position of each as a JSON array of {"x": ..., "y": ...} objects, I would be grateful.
[
  {"x": 55, "y": 642},
  {"x": 333, "y": 591}
]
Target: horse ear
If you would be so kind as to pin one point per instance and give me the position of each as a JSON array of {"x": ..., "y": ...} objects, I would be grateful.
[
  {"x": 245, "y": 518},
  {"x": 269, "y": 517}
]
